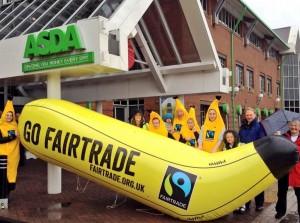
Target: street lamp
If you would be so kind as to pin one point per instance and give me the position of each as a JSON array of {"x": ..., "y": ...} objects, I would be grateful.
[{"x": 260, "y": 97}]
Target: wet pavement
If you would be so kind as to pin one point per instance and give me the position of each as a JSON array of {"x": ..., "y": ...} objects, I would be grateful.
[{"x": 84, "y": 201}]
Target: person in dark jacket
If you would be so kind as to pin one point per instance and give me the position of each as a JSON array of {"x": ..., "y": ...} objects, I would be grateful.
[{"x": 250, "y": 131}]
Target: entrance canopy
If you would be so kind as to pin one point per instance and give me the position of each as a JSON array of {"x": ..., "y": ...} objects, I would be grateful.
[{"x": 87, "y": 43}]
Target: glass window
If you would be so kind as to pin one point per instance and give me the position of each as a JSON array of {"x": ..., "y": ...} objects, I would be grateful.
[
  {"x": 269, "y": 86},
  {"x": 86, "y": 11},
  {"x": 63, "y": 16},
  {"x": 274, "y": 54},
  {"x": 108, "y": 8},
  {"x": 204, "y": 5},
  {"x": 46, "y": 17},
  {"x": 239, "y": 69},
  {"x": 255, "y": 40},
  {"x": 277, "y": 89},
  {"x": 33, "y": 17},
  {"x": 15, "y": 13},
  {"x": 262, "y": 84},
  {"x": 250, "y": 83},
  {"x": 229, "y": 20},
  {"x": 223, "y": 65},
  {"x": 20, "y": 18}
]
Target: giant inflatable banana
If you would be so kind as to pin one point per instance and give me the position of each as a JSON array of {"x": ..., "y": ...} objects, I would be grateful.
[{"x": 162, "y": 173}]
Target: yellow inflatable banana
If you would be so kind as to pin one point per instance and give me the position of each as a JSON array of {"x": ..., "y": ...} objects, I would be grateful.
[{"x": 162, "y": 173}]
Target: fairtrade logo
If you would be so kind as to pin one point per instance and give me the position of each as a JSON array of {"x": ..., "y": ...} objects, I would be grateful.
[
  {"x": 177, "y": 187},
  {"x": 181, "y": 180},
  {"x": 210, "y": 135}
]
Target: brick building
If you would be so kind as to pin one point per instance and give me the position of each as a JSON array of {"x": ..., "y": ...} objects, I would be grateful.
[{"x": 179, "y": 51}]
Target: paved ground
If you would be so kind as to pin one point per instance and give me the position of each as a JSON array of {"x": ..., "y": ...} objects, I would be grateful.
[{"x": 83, "y": 201}]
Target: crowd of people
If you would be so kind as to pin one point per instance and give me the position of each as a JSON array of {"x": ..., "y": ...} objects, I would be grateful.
[{"x": 213, "y": 137}]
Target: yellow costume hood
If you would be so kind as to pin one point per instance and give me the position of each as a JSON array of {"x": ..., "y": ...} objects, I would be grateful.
[
  {"x": 11, "y": 149},
  {"x": 192, "y": 114},
  {"x": 212, "y": 129},
  {"x": 178, "y": 123},
  {"x": 162, "y": 130}
]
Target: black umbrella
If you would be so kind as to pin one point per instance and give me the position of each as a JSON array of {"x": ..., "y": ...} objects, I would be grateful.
[{"x": 279, "y": 121}]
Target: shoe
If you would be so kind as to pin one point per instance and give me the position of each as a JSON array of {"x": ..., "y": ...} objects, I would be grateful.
[
  {"x": 240, "y": 210},
  {"x": 259, "y": 208},
  {"x": 279, "y": 215}
]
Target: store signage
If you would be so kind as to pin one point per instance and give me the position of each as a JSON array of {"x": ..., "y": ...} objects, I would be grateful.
[
  {"x": 57, "y": 62},
  {"x": 49, "y": 43}
]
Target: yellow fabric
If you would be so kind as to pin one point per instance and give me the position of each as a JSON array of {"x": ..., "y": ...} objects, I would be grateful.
[
  {"x": 192, "y": 114},
  {"x": 187, "y": 132},
  {"x": 11, "y": 149},
  {"x": 178, "y": 123},
  {"x": 162, "y": 130},
  {"x": 212, "y": 130}
]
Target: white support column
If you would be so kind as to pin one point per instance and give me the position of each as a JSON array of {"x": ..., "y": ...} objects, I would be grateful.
[
  {"x": 54, "y": 172},
  {"x": 99, "y": 106}
]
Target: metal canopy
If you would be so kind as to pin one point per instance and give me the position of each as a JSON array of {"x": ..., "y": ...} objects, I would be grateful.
[{"x": 174, "y": 51}]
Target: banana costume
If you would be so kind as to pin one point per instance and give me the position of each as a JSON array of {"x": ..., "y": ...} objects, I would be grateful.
[
  {"x": 162, "y": 130},
  {"x": 186, "y": 132},
  {"x": 164, "y": 174},
  {"x": 179, "y": 122},
  {"x": 11, "y": 148},
  {"x": 211, "y": 130}
]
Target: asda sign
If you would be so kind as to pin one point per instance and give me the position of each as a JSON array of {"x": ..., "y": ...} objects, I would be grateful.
[{"x": 49, "y": 44}]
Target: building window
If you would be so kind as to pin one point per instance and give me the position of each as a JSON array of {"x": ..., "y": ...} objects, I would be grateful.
[
  {"x": 269, "y": 86},
  {"x": 229, "y": 20},
  {"x": 262, "y": 83},
  {"x": 203, "y": 109},
  {"x": 204, "y": 5},
  {"x": 255, "y": 40},
  {"x": 274, "y": 54},
  {"x": 223, "y": 63},
  {"x": 277, "y": 89},
  {"x": 250, "y": 84},
  {"x": 239, "y": 75}
]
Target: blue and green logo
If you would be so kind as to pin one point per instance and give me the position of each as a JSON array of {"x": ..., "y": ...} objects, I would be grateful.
[{"x": 177, "y": 187}]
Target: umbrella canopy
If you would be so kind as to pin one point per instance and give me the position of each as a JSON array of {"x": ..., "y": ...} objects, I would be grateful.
[{"x": 278, "y": 121}]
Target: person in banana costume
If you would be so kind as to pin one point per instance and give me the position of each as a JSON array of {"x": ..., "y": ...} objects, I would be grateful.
[
  {"x": 190, "y": 133},
  {"x": 156, "y": 124},
  {"x": 9, "y": 143},
  {"x": 211, "y": 133},
  {"x": 180, "y": 118}
]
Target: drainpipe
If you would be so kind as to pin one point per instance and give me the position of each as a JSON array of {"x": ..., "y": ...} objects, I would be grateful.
[{"x": 232, "y": 66}]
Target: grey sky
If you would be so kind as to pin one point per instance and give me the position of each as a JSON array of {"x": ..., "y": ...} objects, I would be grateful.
[{"x": 277, "y": 13}]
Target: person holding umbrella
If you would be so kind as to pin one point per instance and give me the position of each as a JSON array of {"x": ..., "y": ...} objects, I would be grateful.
[
  {"x": 250, "y": 131},
  {"x": 292, "y": 178}
]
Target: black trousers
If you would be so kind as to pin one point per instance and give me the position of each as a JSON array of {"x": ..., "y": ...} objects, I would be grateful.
[
  {"x": 283, "y": 185},
  {"x": 259, "y": 200}
]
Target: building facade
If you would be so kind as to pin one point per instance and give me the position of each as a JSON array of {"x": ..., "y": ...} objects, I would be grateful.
[{"x": 255, "y": 54}]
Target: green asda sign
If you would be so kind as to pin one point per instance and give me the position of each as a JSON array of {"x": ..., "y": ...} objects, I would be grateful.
[{"x": 54, "y": 42}]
